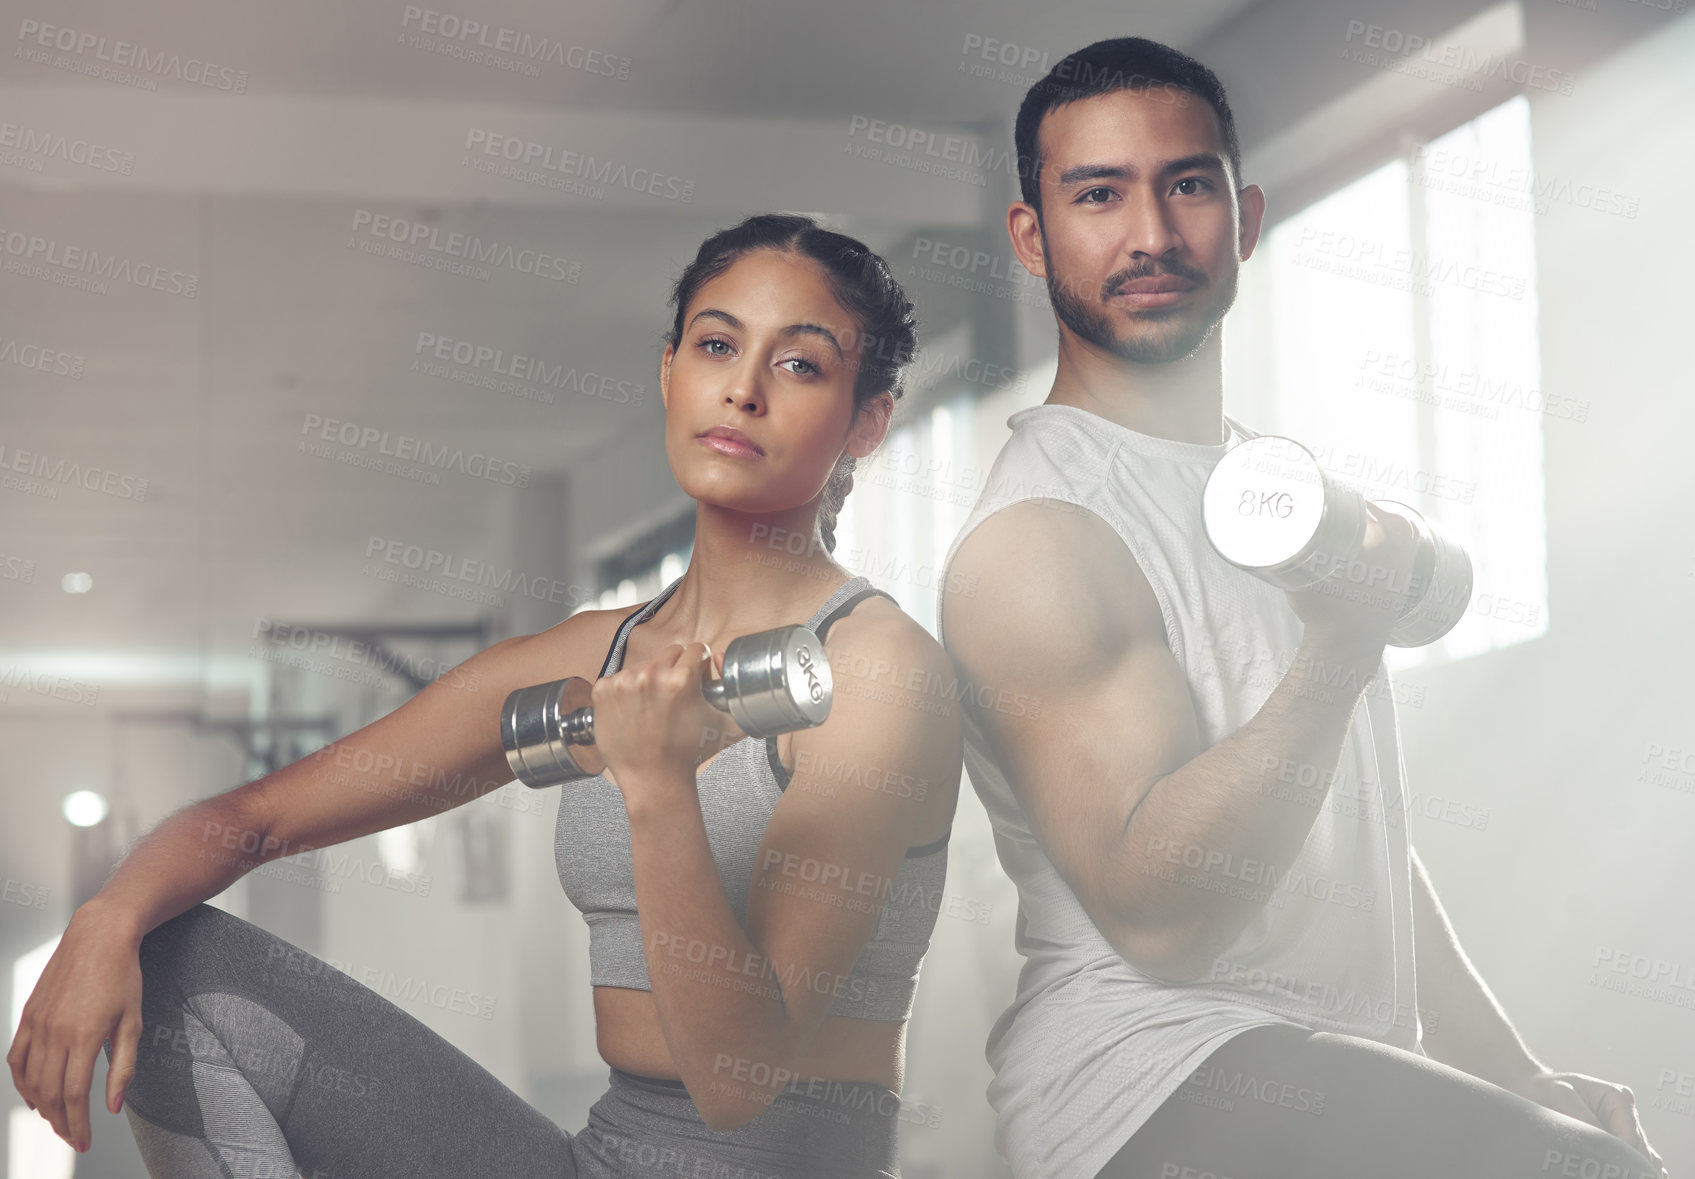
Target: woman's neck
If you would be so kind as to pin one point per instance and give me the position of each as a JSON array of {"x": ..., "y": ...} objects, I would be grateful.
[{"x": 748, "y": 574}]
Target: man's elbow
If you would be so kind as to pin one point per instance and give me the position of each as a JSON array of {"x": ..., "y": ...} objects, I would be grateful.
[{"x": 1168, "y": 955}]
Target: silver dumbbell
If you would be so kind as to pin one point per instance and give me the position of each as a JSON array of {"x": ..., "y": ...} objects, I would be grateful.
[
  {"x": 774, "y": 681},
  {"x": 1269, "y": 508}
]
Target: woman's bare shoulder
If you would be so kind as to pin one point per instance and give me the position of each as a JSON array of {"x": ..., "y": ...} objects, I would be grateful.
[
  {"x": 878, "y": 625},
  {"x": 575, "y": 646}
]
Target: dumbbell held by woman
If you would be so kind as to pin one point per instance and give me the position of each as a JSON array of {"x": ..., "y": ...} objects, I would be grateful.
[{"x": 774, "y": 681}]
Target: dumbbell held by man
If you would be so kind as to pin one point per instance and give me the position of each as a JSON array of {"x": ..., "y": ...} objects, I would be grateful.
[
  {"x": 774, "y": 681},
  {"x": 1269, "y": 508}
]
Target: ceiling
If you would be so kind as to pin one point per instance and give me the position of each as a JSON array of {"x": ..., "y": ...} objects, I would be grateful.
[{"x": 253, "y": 198}]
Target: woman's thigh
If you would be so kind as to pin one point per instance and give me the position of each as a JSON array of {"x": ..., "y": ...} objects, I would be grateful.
[
  {"x": 1285, "y": 1101},
  {"x": 240, "y": 1027}
]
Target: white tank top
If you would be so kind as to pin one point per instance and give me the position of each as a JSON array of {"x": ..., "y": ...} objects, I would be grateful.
[{"x": 1090, "y": 1046}]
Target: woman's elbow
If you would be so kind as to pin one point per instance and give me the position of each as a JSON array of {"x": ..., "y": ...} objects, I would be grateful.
[{"x": 721, "y": 1111}]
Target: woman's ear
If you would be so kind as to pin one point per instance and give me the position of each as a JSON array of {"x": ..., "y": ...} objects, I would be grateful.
[
  {"x": 871, "y": 425},
  {"x": 665, "y": 375}
]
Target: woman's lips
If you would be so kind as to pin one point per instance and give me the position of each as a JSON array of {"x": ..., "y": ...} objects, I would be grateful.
[{"x": 724, "y": 442}]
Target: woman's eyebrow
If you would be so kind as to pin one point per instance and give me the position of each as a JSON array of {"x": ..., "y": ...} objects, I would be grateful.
[
  {"x": 714, "y": 313},
  {"x": 814, "y": 329},
  {"x": 793, "y": 329}
]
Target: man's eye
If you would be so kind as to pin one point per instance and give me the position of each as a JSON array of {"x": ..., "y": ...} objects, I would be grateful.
[
  {"x": 1194, "y": 180},
  {"x": 1088, "y": 193}
]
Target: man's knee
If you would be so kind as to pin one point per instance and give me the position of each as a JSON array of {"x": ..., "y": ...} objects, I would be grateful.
[{"x": 1595, "y": 1154}]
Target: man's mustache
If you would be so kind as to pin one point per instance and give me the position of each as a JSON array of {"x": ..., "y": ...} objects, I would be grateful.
[{"x": 1132, "y": 273}]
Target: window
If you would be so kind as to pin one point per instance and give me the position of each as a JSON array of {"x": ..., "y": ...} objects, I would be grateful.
[
  {"x": 1392, "y": 329},
  {"x": 910, "y": 498},
  {"x": 640, "y": 569}
]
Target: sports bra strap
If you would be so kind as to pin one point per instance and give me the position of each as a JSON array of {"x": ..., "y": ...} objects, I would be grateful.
[
  {"x": 849, "y": 604},
  {"x": 778, "y": 770}
]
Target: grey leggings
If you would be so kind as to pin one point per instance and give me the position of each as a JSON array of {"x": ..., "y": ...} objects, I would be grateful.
[
  {"x": 259, "y": 1061},
  {"x": 1285, "y": 1102}
]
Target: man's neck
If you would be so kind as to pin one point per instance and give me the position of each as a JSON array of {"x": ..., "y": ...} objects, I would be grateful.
[{"x": 1180, "y": 400}]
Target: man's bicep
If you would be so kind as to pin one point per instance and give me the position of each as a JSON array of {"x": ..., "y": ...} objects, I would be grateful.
[{"x": 1061, "y": 615}]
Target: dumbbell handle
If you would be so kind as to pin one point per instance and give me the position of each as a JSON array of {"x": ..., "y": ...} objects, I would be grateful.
[
  {"x": 774, "y": 681},
  {"x": 577, "y": 726}
]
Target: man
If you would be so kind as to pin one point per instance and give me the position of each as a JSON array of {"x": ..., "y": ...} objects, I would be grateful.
[{"x": 1197, "y": 784}]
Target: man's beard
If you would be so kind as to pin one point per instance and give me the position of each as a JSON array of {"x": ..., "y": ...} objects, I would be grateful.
[{"x": 1155, "y": 335}]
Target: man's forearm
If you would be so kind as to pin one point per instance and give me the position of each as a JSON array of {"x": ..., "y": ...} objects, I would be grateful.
[
  {"x": 1466, "y": 1028},
  {"x": 1204, "y": 848}
]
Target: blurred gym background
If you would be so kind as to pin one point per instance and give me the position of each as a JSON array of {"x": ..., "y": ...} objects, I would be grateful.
[{"x": 325, "y": 364}]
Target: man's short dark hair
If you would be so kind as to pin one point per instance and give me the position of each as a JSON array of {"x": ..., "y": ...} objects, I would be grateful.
[{"x": 1121, "y": 63}]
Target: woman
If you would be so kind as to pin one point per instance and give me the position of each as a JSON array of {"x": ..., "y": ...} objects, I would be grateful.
[{"x": 756, "y": 921}]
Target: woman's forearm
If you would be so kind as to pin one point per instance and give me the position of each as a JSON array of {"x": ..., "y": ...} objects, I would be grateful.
[
  {"x": 193, "y": 855},
  {"x": 714, "y": 989}
]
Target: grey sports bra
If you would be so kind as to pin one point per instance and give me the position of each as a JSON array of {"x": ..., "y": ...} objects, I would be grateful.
[{"x": 739, "y": 789}]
